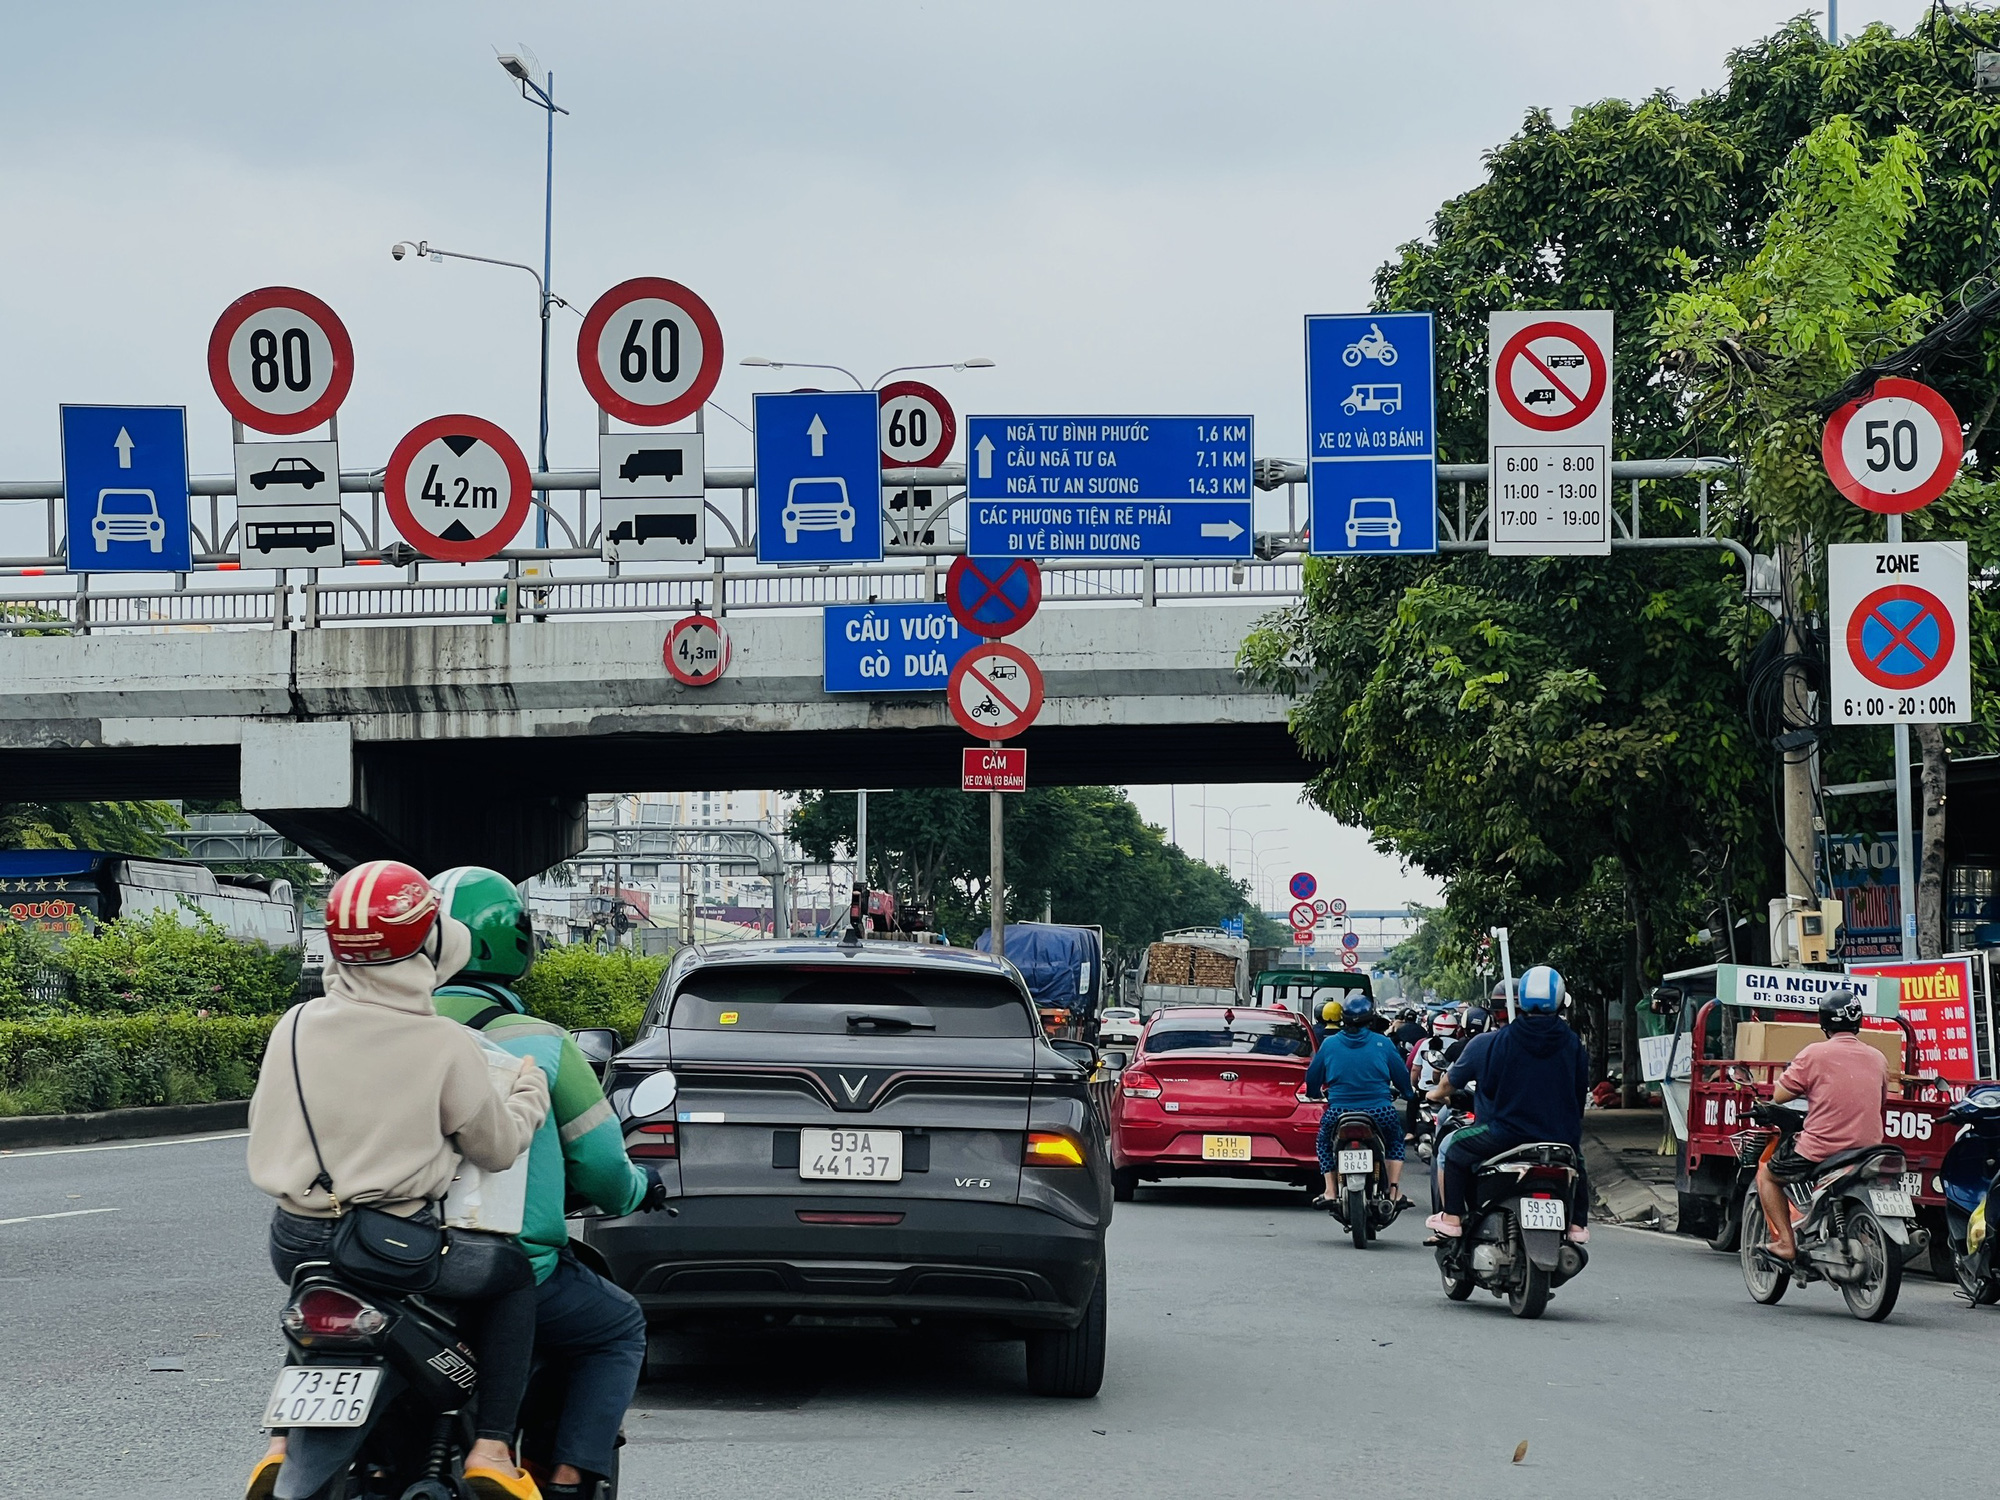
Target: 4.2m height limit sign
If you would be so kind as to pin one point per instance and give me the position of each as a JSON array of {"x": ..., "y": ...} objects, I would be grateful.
[{"x": 1548, "y": 425}]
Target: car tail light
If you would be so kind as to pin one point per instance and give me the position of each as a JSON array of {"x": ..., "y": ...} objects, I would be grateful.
[
  {"x": 1050, "y": 1148},
  {"x": 653, "y": 1142},
  {"x": 1139, "y": 1084},
  {"x": 328, "y": 1313}
]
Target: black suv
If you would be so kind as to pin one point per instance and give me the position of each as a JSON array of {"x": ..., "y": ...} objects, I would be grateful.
[{"x": 853, "y": 1129}]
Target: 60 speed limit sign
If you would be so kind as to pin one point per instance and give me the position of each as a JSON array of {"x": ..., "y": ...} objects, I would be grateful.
[
  {"x": 918, "y": 427},
  {"x": 280, "y": 360},
  {"x": 650, "y": 351},
  {"x": 1895, "y": 449}
]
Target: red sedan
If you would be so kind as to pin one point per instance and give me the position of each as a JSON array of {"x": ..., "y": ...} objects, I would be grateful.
[{"x": 1215, "y": 1092}]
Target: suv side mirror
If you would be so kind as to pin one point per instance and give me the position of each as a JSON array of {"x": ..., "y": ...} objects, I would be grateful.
[
  {"x": 1113, "y": 1062},
  {"x": 598, "y": 1044},
  {"x": 1081, "y": 1053}
]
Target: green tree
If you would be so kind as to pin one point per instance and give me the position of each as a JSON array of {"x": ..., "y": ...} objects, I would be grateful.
[{"x": 116, "y": 827}]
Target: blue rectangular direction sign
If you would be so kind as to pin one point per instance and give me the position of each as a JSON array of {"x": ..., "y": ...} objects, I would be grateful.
[
  {"x": 125, "y": 489},
  {"x": 892, "y": 648},
  {"x": 819, "y": 477},
  {"x": 1372, "y": 433},
  {"x": 1109, "y": 487}
]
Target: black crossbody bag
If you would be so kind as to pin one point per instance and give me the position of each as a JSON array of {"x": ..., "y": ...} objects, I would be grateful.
[{"x": 380, "y": 1249}]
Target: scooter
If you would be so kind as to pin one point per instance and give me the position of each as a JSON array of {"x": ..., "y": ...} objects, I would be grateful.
[
  {"x": 1971, "y": 1170},
  {"x": 1363, "y": 1205},
  {"x": 1374, "y": 344},
  {"x": 1854, "y": 1224},
  {"x": 1515, "y": 1243}
]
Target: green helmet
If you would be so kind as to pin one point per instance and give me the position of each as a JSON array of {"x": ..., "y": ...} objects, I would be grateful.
[{"x": 503, "y": 939}]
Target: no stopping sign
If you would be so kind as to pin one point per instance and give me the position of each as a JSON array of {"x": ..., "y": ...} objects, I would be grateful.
[{"x": 1895, "y": 449}]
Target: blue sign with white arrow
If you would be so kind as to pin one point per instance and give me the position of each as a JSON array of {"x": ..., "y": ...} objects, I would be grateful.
[
  {"x": 892, "y": 648},
  {"x": 1109, "y": 487},
  {"x": 819, "y": 477},
  {"x": 125, "y": 489},
  {"x": 1372, "y": 429}
]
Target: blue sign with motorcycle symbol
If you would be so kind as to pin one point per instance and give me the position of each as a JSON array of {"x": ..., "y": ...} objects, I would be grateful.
[
  {"x": 125, "y": 489},
  {"x": 1371, "y": 470},
  {"x": 892, "y": 648}
]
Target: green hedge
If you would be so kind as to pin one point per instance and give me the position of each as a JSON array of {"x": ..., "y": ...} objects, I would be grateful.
[
  {"x": 578, "y": 986},
  {"x": 71, "y": 1064},
  {"x": 143, "y": 966}
]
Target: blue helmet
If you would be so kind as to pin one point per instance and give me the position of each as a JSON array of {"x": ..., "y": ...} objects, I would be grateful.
[
  {"x": 1541, "y": 989},
  {"x": 1355, "y": 1011}
]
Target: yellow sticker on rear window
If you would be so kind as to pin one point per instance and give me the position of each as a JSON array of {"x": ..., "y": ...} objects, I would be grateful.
[{"x": 728, "y": 1018}]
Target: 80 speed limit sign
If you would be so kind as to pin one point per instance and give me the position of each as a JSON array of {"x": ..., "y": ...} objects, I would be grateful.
[
  {"x": 1895, "y": 449},
  {"x": 650, "y": 351},
  {"x": 280, "y": 360}
]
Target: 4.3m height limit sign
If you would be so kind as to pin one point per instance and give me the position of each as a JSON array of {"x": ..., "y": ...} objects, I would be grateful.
[
  {"x": 1899, "y": 653},
  {"x": 1548, "y": 425}
]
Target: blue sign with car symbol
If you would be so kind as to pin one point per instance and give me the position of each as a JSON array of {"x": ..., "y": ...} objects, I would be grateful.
[
  {"x": 125, "y": 489},
  {"x": 892, "y": 648},
  {"x": 819, "y": 477},
  {"x": 1371, "y": 469}
]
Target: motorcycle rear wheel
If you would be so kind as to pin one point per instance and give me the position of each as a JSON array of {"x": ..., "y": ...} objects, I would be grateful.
[
  {"x": 1980, "y": 1289},
  {"x": 1357, "y": 1218},
  {"x": 1874, "y": 1299},
  {"x": 1766, "y": 1283},
  {"x": 1529, "y": 1297},
  {"x": 1459, "y": 1287}
]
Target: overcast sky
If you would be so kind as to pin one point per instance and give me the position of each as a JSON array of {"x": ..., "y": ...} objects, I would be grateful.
[{"x": 1129, "y": 206}]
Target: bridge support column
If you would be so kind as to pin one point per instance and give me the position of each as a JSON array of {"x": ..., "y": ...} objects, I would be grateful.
[{"x": 346, "y": 803}]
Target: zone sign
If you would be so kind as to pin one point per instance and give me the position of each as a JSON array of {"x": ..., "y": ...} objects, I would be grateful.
[{"x": 1899, "y": 652}]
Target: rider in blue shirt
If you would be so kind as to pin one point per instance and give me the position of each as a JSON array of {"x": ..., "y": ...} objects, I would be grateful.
[{"x": 1360, "y": 1071}]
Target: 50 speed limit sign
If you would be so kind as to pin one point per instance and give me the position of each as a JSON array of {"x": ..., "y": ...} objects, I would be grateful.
[
  {"x": 280, "y": 360},
  {"x": 650, "y": 351},
  {"x": 1895, "y": 449}
]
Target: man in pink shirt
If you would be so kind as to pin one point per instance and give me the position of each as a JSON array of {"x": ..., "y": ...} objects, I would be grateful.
[{"x": 1844, "y": 1082}]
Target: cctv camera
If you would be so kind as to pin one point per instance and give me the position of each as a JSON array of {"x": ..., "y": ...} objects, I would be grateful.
[{"x": 397, "y": 251}]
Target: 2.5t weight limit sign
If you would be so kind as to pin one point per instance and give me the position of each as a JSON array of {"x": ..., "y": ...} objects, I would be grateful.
[
  {"x": 1894, "y": 450},
  {"x": 1899, "y": 652}
]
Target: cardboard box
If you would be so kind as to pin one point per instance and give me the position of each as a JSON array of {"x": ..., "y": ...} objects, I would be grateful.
[{"x": 1781, "y": 1041}]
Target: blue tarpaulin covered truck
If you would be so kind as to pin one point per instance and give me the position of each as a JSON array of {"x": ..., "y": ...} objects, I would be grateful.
[{"x": 1064, "y": 967}]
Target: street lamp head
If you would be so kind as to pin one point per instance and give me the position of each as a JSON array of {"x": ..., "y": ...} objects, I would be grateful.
[
  {"x": 757, "y": 361},
  {"x": 975, "y": 363},
  {"x": 516, "y": 67}
]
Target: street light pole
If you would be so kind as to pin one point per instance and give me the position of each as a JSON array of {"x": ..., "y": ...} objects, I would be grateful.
[{"x": 543, "y": 97}]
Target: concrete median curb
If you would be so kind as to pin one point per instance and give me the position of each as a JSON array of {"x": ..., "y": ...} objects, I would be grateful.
[{"x": 122, "y": 1124}]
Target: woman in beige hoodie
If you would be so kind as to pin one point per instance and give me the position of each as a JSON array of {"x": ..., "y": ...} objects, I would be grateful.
[{"x": 397, "y": 1095}]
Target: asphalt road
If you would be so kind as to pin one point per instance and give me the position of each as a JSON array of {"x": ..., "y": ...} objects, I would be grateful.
[{"x": 1253, "y": 1351}]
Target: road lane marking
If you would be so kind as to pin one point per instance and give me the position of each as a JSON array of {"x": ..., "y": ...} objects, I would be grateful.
[
  {"x": 74, "y": 1213},
  {"x": 186, "y": 1140}
]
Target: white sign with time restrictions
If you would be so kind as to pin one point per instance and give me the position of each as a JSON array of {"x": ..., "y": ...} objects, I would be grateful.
[
  {"x": 1899, "y": 650},
  {"x": 1548, "y": 421}
]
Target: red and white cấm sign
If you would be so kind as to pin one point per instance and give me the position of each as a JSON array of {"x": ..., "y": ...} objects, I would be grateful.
[
  {"x": 995, "y": 770},
  {"x": 1894, "y": 450},
  {"x": 1548, "y": 432},
  {"x": 1936, "y": 999},
  {"x": 1304, "y": 916},
  {"x": 280, "y": 360},
  {"x": 995, "y": 691}
]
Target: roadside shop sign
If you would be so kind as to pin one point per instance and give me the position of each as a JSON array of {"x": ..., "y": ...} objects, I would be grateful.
[
  {"x": 993, "y": 596},
  {"x": 649, "y": 351},
  {"x": 918, "y": 427},
  {"x": 280, "y": 360},
  {"x": 697, "y": 650},
  {"x": 1371, "y": 471},
  {"x": 891, "y": 648},
  {"x": 1799, "y": 989},
  {"x": 994, "y": 769},
  {"x": 1895, "y": 449},
  {"x": 1901, "y": 650},
  {"x": 457, "y": 488},
  {"x": 1936, "y": 998},
  {"x": 995, "y": 691},
  {"x": 1303, "y": 886},
  {"x": 1548, "y": 424}
]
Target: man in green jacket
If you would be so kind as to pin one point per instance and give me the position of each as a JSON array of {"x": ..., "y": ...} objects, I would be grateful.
[{"x": 591, "y": 1328}]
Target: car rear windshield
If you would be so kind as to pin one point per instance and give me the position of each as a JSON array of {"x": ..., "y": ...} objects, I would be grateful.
[
  {"x": 850, "y": 1001},
  {"x": 1260, "y": 1036}
]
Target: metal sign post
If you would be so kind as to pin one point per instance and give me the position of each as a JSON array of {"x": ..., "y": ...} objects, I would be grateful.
[
  {"x": 1906, "y": 875},
  {"x": 1507, "y": 974},
  {"x": 995, "y": 876}
]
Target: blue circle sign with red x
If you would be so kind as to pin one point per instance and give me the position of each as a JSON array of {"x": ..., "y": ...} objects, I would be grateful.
[
  {"x": 993, "y": 596},
  {"x": 1900, "y": 637}
]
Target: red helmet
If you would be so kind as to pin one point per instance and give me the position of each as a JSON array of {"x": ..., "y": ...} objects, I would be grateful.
[{"x": 379, "y": 913}]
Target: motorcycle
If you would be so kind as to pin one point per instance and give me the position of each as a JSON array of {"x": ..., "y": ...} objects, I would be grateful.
[
  {"x": 378, "y": 1396},
  {"x": 1971, "y": 1170},
  {"x": 1515, "y": 1243},
  {"x": 1854, "y": 1224},
  {"x": 1374, "y": 344},
  {"x": 1363, "y": 1205}
]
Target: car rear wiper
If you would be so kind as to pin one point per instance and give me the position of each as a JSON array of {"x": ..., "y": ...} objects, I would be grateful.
[{"x": 887, "y": 1023}]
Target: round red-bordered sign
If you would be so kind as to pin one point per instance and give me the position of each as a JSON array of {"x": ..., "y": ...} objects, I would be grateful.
[
  {"x": 697, "y": 650},
  {"x": 289, "y": 341},
  {"x": 1864, "y": 444},
  {"x": 1336, "y": 907},
  {"x": 993, "y": 597},
  {"x": 1303, "y": 916},
  {"x": 995, "y": 691},
  {"x": 1303, "y": 886},
  {"x": 463, "y": 459},
  {"x": 1581, "y": 406},
  {"x": 1901, "y": 637},
  {"x": 650, "y": 351},
  {"x": 1350, "y": 960},
  {"x": 922, "y": 419}
]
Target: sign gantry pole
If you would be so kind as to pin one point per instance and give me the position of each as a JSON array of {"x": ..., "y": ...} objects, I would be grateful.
[
  {"x": 996, "y": 873},
  {"x": 1906, "y": 874}
]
